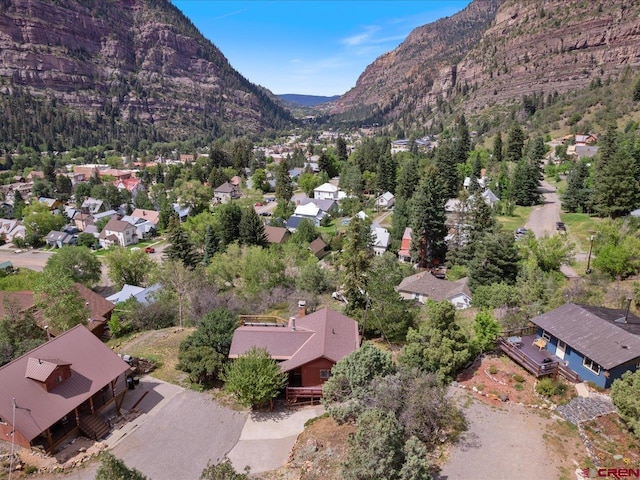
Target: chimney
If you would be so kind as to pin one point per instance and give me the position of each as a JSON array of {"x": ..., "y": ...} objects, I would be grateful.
[{"x": 302, "y": 308}]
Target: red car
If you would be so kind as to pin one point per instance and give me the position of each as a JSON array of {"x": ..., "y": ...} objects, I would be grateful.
[
  {"x": 149, "y": 250},
  {"x": 257, "y": 204}
]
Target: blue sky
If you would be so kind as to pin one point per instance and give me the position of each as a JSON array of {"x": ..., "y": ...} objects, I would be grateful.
[{"x": 309, "y": 47}]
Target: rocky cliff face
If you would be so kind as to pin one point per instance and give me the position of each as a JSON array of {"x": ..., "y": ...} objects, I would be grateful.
[
  {"x": 141, "y": 58},
  {"x": 496, "y": 51}
]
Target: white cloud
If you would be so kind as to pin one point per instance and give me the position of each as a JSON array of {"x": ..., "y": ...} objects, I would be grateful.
[{"x": 359, "y": 39}]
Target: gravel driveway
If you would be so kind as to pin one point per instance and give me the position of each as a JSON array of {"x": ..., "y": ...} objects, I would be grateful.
[
  {"x": 501, "y": 443},
  {"x": 543, "y": 218}
]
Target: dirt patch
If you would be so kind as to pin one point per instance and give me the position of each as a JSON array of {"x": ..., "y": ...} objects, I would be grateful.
[
  {"x": 318, "y": 453},
  {"x": 26, "y": 462},
  {"x": 611, "y": 442},
  {"x": 161, "y": 348},
  {"x": 496, "y": 378}
]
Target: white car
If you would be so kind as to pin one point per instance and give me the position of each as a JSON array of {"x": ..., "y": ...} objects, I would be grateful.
[{"x": 18, "y": 251}]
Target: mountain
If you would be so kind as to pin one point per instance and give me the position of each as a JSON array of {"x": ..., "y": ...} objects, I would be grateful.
[
  {"x": 296, "y": 100},
  {"x": 493, "y": 53},
  {"x": 123, "y": 61}
]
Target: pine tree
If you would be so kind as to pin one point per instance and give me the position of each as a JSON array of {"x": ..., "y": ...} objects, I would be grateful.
[
  {"x": 577, "y": 196},
  {"x": 515, "y": 143},
  {"x": 229, "y": 216},
  {"x": 462, "y": 143},
  {"x": 357, "y": 254},
  {"x": 408, "y": 179},
  {"x": 210, "y": 245},
  {"x": 445, "y": 160},
  {"x": 284, "y": 184},
  {"x": 497, "y": 149},
  {"x": 251, "y": 229},
  {"x": 341, "y": 149},
  {"x": 181, "y": 247},
  {"x": 428, "y": 220}
]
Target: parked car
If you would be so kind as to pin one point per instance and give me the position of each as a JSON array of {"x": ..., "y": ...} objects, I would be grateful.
[
  {"x": 257, "y": 204},
  {"x": 149, "y": 250},
  {"x": 561, "y": 226}
]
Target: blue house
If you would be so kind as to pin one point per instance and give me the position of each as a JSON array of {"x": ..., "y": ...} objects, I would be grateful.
[{"x": 599, "y": 344}]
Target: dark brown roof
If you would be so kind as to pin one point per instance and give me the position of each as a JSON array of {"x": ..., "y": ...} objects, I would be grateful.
[
  {"x": 115, "y": 225},
  {"x": 590, "y": 331},
  {"x": 276, "y": 234},
  {"x": 424, "y": 283},
  {"x": 98, "y": 306},
  {"x": 40, "y": 369},
  {"x": 318, "y": 247},
  {"x": 22, "y": 301},
  {"x": 323, "y": 334},
  {"x": 93, "y": 366}
]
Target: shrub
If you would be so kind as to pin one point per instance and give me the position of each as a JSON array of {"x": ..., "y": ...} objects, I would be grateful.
[
  {"x": 518, "y": 378},
  {"x": 493, "y": 369},
  {"x": 518, "y": 386},
  {"x": 549, "y": 387},
  {"x": 625, "y": 393}
]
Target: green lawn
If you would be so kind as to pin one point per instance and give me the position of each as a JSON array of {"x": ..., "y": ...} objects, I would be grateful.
[
  {"x": 21, "y": 281},
  {"x": 517, "y": 220},
  {"x": 580, "y": 227}
]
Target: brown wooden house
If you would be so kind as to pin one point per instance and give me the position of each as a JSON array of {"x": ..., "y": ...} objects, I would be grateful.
[
  {"x": 58, "y": 389},
  {"x": 308, "y": 346}
]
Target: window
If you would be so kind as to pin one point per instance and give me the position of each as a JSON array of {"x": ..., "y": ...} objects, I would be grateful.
[
  {"x": 591, "y": 365},
  {"x": 324, "y": 374},
  {"x": 2, "y": 422},
  {"x": 59, "y": 379},
  {"x": 546, "y": 335}
]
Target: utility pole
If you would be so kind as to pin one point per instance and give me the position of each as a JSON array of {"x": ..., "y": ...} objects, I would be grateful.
[{"x": 588, "y": 270}]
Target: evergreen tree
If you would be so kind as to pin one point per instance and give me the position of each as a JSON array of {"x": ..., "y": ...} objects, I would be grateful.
[
  {"x": 210, "y": 245},
  {"x": 616, "y": 176},
  {"x": 536, "y": 149},
  {"x": 408, "y": 180},
  {"x": 18, "y": 204},
  {"x": 401, "y": 218},
  {"x": 284, "y": 184},
  {"x": 326, "y": 165},
  {"x": 577, "y": 196},
  {"x": 181, "y": 247},
  {"x": 636, "y": 91},
  {"x": 251, "y": 229},
  {"x": 357, "y": 254},
  {"x": 496, "y": 260},
  {"x": 229, "y": 216},
  {"x": 497, "y": 149},
  {"x": 143, "y": 201},
  {"x": 428, "y": 220},
  {"x": 167, "y": 213},
  {"x": 446, "y": 162},
  {"x": 341, "y": 149},
  {"x": 351, "y": 179},
  {"x": 462, "y": 144},
  {"x": 515, "y": 143}
]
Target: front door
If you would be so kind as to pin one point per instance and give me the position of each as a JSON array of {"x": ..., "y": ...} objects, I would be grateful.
[{"x": 561, "y": 349}]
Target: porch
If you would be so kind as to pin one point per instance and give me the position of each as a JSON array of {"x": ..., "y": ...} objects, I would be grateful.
[
  {"x": 526, "y": 351},
  {"x": 304, "y": 394}
]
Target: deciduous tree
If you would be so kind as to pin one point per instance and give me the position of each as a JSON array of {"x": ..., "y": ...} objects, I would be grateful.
[
  {"x": 77, "y": 264},
  {"x": 126, "y": 266},
  {"x": 254, "y": 378}
]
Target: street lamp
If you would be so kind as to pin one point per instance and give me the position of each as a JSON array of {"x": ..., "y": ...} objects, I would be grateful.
[{"x": 588, "y": 270}]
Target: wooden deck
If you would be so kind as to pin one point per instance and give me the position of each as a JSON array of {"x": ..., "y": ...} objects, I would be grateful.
[
  {"x": 538, "y": 362},
  {"x": 303, "y": 394}
]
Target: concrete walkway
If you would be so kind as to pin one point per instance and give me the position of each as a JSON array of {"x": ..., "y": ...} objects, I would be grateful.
[{"x": 268, "y": 437}]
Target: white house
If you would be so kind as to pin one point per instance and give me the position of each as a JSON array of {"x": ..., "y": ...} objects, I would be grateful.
[
  {"x": 424, "y": 286},
  {"x": 326, "y": 191},
  {"x": 226, "y": 192},
  {"x": 386, "y": 200},
  {"x": 381, "y": 239},
  {"x": 311, "y": 212},
  {"x": 117, "y": 232}
]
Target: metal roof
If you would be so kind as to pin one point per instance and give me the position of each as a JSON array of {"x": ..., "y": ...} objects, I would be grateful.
[
  {"x": 93, "y": 366},
  {"x": 596, "y": 332}
]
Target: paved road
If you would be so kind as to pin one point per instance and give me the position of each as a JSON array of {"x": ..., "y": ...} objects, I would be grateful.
[
  {"x": 32, "y": 259},
  {"x": 501, "y": 444}
]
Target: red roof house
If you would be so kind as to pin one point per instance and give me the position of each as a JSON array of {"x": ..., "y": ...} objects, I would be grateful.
[
  {"x": 58, "y": 389},
  {"x": 307, "y": 347},
  {"x": 404, "y": 254}
]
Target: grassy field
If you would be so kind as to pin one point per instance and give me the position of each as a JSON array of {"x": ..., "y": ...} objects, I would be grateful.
[
  {"x": 518, "y": 219},
  {"x": 160, "y": 346},
  {"x": 580, "y": 227}
]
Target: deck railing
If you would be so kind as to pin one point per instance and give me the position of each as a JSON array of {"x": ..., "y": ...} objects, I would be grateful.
[
  {"x": 307, "y": 394},
  {"x": 536, "y": 368}
]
